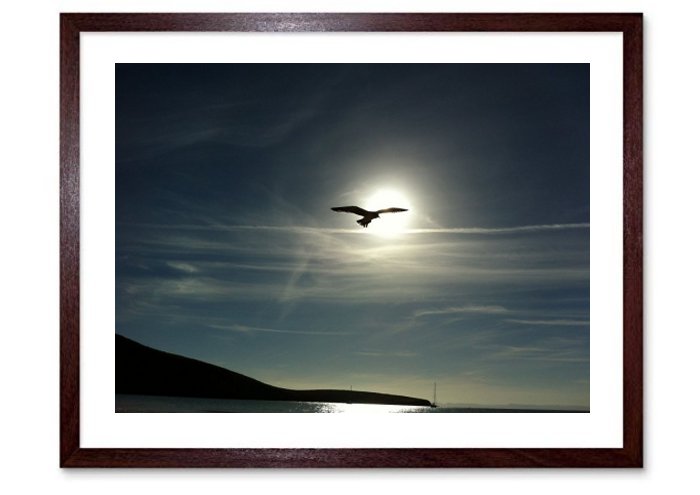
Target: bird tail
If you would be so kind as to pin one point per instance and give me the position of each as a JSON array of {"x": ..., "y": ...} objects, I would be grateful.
[{"x": 364, "y": 221}]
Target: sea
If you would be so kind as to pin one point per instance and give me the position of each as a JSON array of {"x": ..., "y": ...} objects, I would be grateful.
[{"x": 161, "y": 404}]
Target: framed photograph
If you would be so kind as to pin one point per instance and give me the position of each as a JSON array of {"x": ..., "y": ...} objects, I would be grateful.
[{"x": 351, "y": 240}]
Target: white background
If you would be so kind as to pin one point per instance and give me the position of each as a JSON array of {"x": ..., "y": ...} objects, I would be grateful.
[
  {"x": 29, "y": 249},
  {"x": 101, "y": 427}
]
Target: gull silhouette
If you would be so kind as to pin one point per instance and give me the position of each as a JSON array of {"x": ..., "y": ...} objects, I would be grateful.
[{"x": 367, "y": 216}]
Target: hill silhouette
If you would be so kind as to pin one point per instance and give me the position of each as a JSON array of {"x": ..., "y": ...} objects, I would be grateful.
[{"x": 142, "y": 370}]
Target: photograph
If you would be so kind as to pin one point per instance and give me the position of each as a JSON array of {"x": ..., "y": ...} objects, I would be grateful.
[{"x": 352, "y": 238}]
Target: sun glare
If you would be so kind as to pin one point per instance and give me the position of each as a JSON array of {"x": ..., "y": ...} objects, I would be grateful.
[{"x": 389, "y": 224}]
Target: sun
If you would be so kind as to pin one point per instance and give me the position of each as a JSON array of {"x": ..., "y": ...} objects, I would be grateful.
[{"x": 390, "y": 224}]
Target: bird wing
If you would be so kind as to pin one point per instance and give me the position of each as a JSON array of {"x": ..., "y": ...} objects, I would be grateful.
[
  {"x": 351, "y": 209},
  {"x": 391, "y": 210}
]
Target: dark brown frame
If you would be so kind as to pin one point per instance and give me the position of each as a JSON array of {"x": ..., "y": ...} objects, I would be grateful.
[{"x": 72, "y": 455}]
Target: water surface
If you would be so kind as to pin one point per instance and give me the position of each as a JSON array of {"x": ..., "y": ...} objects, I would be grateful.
[{"x": 161, "y": 404}]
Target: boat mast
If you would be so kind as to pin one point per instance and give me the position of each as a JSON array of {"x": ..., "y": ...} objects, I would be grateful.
[{"x": 434, "y": 393}]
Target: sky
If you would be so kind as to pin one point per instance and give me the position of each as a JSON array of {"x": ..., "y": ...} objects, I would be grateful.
[{"x": 227, "y": 250}]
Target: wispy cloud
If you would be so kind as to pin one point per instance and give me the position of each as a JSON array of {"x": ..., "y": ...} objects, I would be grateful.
[
  {"x": 248, "y": 329},
  {"x": 386, "y": 354},
  {"x": 301, "y": 229},
  {"x": 183, "y": 267},
  {"x": 565, "y": 323},
  {"x": 538, "y": 353},
  {"x": 213, "y": 123},
  {"x": 460, "y": 310},
  {"x": 266, "y": 263},
  {"x": 501, "y": 230}
]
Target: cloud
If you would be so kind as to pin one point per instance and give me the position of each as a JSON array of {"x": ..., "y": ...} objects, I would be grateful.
[
  {"x": 503, "y": 230},
  {"x": 385, "y": 354},
  {"x": 289, "y": 265},
  {"x": 301, "y": 229},
  {"x": 247, "y": 329},
  {"x": 539, "y": 353},
  {"x": 183, "y": 267},
  {"x": 270, "y": 123},
  {"x": 564, "y": 323},
  {"x": 460, "y": 310}
]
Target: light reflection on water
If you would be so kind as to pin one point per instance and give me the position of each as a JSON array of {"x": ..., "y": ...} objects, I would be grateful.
[{"x": 330, "y": 407}]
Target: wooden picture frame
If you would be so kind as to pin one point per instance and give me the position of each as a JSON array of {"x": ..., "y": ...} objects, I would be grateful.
[{"x": 71, "y": 452}]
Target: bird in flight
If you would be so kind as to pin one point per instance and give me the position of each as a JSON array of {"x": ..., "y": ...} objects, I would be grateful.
[{"x": 367, "y": 216}]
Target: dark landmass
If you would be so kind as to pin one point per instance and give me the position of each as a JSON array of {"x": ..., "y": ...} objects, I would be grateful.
[{"x": 142, "y": 370}]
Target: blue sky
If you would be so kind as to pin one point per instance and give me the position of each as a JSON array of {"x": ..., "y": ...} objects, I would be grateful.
[{"x": 227, "y": 250}]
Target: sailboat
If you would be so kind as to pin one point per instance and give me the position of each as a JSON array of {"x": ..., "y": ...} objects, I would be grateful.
[{"x": 434, "y": 404}]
